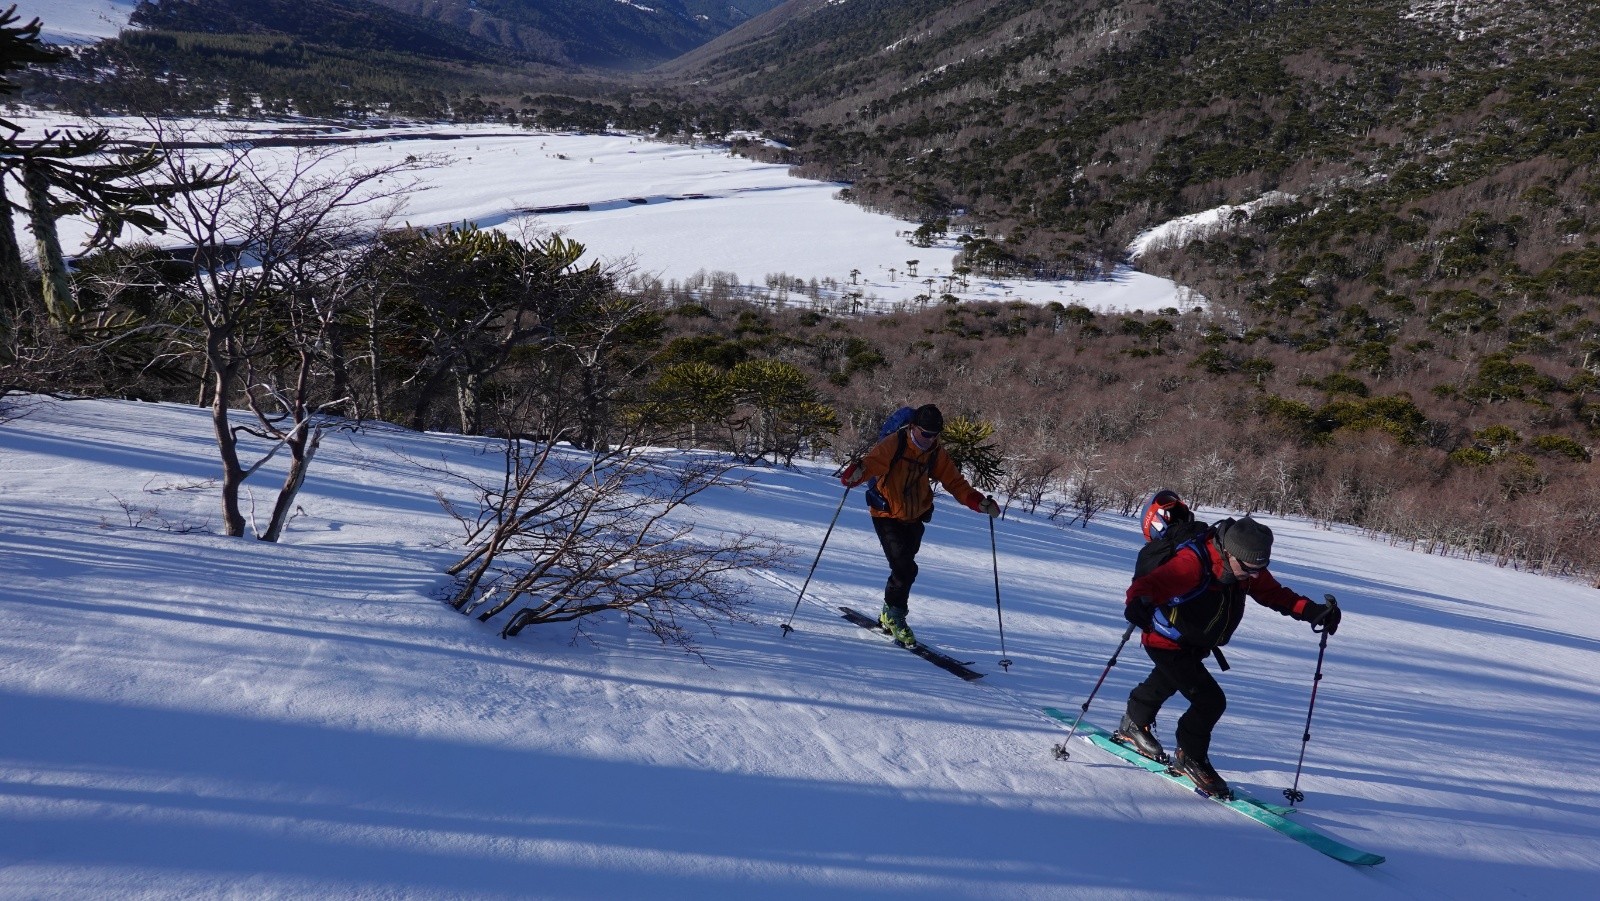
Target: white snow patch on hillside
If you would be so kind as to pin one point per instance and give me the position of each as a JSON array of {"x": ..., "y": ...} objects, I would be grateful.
[
  {"x": 77, "y": 21},
  {"x": 675, "y": 211},
  {"x": 1196, "y": 226}
]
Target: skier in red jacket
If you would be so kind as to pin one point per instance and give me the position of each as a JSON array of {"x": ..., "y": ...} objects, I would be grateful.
[{"x": 1187, "y": 608}]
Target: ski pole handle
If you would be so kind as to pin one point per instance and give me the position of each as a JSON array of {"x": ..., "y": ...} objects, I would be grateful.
[{"x": 1316, "y": 624}]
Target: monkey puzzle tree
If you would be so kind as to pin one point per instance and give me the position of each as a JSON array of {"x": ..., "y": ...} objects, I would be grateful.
[{"x": 68, "y": 172}]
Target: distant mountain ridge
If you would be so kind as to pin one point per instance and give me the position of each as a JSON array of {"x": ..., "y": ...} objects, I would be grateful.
[{"x": 602, "y": 34}]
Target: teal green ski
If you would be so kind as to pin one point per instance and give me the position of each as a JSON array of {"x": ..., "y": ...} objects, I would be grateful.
[{"x": 1267, "y": 814}]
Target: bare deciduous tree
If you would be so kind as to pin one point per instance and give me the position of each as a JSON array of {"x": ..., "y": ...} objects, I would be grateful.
[
  {"x": 269, "y": 249},
  {"x": 568, "y": 533},
  {"x": 1029, "y": 478}
]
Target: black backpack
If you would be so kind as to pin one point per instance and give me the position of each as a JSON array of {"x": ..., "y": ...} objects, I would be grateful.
[{"x": 1157, "y": 551}]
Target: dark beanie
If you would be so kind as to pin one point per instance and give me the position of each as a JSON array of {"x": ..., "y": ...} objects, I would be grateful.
[
  {"x": 928, "y": 417},
  {"x": 1248, "y": 541}
]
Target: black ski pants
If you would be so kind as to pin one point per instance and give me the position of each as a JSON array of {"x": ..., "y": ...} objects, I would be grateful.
[
  {"x": 901, "y": 540},
  {"x": 1181, "y": 671}
]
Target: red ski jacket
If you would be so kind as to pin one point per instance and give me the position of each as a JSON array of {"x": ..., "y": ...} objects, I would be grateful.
[{"x": 1181, "y": 575}]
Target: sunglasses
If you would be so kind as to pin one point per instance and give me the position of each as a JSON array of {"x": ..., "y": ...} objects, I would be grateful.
[
  {"x": 1252, "y": 570},
  {"x": 924, "y": 432}
]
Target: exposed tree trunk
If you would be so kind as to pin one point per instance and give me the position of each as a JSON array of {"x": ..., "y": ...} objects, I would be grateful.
[
  {"x": 13, "y": 274},
  {"x": 302, "y": 447},
  {"x": 203, "y": 391},
  {"x": 233, "y": 474},
  {"x": 374, "y": 364},
  {"x": 339, "y": 368},
  {"x": 467, "y": 389},
  {"x": 58, "y": 297}
]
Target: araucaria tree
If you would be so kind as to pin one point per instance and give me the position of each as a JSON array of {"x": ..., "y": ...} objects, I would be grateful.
[
  {"x": 782, "y": 413},
  {"x": 66, "y": 172},
  {"x": 449, "y": 310}
]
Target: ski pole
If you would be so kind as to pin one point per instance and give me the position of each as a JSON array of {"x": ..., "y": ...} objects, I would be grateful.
[
  {"x": 1061, "y": 750},
  {"x": 786, "y": 627},
  {"x": 1293, "y": 793},
  {"x": 994, "y": 553}
]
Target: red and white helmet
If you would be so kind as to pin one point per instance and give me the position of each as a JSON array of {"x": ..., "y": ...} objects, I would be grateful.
[{"x": 1158, "y": 513}]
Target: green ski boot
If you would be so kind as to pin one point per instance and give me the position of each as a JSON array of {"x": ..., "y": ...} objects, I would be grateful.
[{"x": 893, "y": 621}]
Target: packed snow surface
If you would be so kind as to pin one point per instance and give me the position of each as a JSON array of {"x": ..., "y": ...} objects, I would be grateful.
[{"x": 189, "y": 715}]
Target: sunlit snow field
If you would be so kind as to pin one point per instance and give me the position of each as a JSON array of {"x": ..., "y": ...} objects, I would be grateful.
[
  {"x": 186, "y": 715},
  {"x": 671, "y": 211}
]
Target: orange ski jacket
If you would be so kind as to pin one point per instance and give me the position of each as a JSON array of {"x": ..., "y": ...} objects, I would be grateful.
[{"x": 906, "y": 481}]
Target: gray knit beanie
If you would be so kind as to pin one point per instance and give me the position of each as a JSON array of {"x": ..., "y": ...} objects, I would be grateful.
[{"x": 1248, "y": 541}]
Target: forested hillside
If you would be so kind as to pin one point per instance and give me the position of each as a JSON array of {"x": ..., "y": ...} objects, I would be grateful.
[
  {"x": 565, "y": 33},
  {"x": 487, "y": 60},
  {"x": 1411, "y": 254},
  {"x": 603, "y": 33},
  {"x": 1444, "y": 152}
]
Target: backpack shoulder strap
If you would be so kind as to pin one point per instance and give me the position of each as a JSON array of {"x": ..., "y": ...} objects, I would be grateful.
[
  {"x": 1197, "y": 544},
  {"x": 900, "y": 452}
]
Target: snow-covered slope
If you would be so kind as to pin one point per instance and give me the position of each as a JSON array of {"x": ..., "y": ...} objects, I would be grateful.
[
  {"x": 77, "y": 21},
  {"x": 186, "y": 715}
]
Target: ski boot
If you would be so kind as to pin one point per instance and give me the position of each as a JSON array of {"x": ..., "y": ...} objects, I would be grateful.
[
  {"x": 893, "y": 621},
  {"x": 1206, "y": 780},
  {"x": 1140, "y": 738}
]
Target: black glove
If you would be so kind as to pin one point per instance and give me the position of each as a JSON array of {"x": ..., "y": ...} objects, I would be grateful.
[
  {"x": 1140, "y": 611},
  {"x": 1324, "y": 615}
]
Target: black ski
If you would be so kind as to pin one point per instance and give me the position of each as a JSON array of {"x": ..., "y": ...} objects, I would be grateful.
[{"x": 936, "y": 657}]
